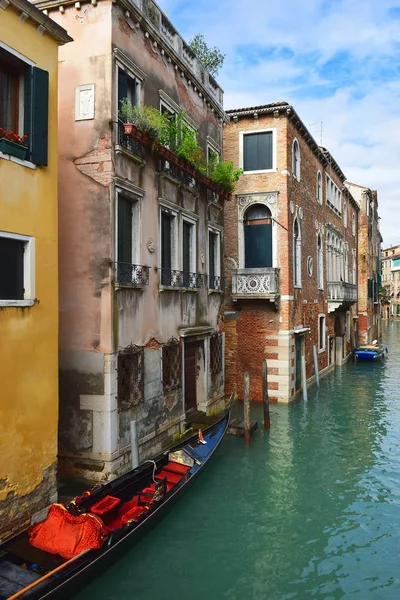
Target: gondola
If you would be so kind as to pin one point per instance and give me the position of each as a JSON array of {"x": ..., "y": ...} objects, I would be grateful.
[
  {"x": 109, "y": 519},
  {"x": 370, "y": 352}
]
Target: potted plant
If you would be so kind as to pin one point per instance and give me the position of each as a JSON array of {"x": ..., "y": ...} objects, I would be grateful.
[
  {"x": 12, "y": 143},
  {"x": 225, "y": 177},
  {"x": 144, "y": 123}
]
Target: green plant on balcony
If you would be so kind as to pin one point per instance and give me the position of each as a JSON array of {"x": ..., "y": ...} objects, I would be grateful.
[
  {"x": 14, "y": 144},
  {"x": 146, "y": 118},
  {"x": 225, "y": 175}
]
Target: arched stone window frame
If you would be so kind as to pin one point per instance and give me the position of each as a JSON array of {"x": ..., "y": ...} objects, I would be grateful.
[
  {"x": 329, "y": 256},
  {"x": 318, "y": 192},
  {"x": 296, "y": 253},
  {"x": 244, "y": 204},
  {"x": 296, "y": 159}
]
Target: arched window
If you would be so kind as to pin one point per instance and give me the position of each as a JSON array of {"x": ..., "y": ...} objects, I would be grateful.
[
  {"x": 346, "y": 264},
  {"x": 353, "y": 224},
  {"x": 296, "y": 253},
  {"x": 319, "y": 187},
  {"x": 320, "y": 268},
  {"x": 329, "y": 257},
  {"x": 296, "y": 159},
  {"x": 257, "y": 237}
]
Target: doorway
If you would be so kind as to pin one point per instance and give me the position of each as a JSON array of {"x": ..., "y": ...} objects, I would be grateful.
[{"x": 190, "y": 370}]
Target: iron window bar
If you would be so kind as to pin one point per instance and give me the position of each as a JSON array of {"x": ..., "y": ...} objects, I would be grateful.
[
  {"x": 128, "y": 142},
  {"x": 132, "y": 274},
  {"x": 181, "y": 279},
  {"x": 170, "y": 168},
  {"x": 216, "y": 283}
]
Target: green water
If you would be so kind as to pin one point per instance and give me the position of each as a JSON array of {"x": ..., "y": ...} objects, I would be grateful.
[{"x": 311, "y": 510}]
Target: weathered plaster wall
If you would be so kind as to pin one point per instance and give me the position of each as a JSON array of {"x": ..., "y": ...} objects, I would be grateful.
[{"x": 29, "y": 336}]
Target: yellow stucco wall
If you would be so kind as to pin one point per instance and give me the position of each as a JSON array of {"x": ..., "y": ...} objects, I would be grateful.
[{"x": 29, "y": 336}]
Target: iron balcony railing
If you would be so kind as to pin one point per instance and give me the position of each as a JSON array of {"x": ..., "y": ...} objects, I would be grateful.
[
  {"x": 181, "y": 279},
  {"x": 216, "y": 283},
  {"x": 132, "y": 274},
  {"x": 257, "y": 283},
  {"x": 171, "y": 169},
  {"x": 128, "y": 142},
  {"x": 341, "y": 291}
]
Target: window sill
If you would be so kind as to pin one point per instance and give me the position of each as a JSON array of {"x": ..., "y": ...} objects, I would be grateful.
[
  {"x": 17, "y": 303},
  {"x": 130, "y": 286},
  {"x": 169, "y": 288},
  {"x": 215, "y": 291},
  {"x": 320, "y": 350},
  {"x": 260, "y": 171},
  {"x": 18, "y": 161}
]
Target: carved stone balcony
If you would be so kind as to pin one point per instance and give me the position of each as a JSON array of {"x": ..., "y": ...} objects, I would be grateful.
[
  {"x": 341, "y": 293},
  {"x": 260, "y": 283}
]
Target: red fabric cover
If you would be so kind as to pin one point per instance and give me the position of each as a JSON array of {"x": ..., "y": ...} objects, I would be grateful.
[
  {"x": 133, "y": 514},
  {"x": 105, "y": 505},
  {"x": 171, "y": 477},
  {"x": 177, "y": 468},
  {"x": 65, "y": 534}
]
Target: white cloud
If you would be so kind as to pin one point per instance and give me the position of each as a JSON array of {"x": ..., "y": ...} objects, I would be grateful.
[{"x": 336, "y": 61}]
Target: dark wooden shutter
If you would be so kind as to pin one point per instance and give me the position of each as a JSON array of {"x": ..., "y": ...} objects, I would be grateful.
[
  {"x": 257, "y": 151},
  {"x": 11, "y": 269},
  {"x": 36, "y": 113},
  {"x": 258, "y": 246},
  {"x": 211, "y": 258},
  {"x": 124, "y": 230},
  {"x": 166, "y": 261},
  {"x": 122, "y": 86},
  {"x": 186, "y": 247}
]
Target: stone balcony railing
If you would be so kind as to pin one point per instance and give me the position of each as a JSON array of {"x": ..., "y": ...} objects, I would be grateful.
[
  {"x": 260, "y": 283},
  {"x": 340, "y": 292}
]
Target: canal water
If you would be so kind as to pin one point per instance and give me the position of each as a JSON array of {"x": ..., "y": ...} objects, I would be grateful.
[{"x": 311, "y": 510}]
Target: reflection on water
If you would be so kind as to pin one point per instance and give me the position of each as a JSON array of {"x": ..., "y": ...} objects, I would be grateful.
[{"x": 310, "y": 510}]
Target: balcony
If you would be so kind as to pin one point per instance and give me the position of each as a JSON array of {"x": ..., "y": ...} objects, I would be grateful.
[
  {"x": 216, "y": 283},
  {"x": 341, "y": 293},
  {"x": 260, "y": 283},
  {"x": 131, "y": 275},
  {"x": 128, "y": 142},
  {"x": 181, "y": 280}
]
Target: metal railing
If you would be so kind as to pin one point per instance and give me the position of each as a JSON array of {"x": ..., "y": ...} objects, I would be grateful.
[
  {"x": 216, "y": 283},
  {"x": 132, "y": 274},
  {"x": 261, "y": 282},
  {"x": 181, "y": 279},
  {"x": 171, "y": 169},
  {"x": 128, "y": 142}
]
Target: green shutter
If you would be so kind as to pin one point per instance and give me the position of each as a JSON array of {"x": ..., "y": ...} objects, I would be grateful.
[
  {"x": 36, "y": 111},
  {"x": 122, "y": 86},
  {"x": 124, "y": 230}
]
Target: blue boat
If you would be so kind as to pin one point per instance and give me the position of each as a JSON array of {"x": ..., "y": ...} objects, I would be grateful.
[{"x": 370, "y": 352}]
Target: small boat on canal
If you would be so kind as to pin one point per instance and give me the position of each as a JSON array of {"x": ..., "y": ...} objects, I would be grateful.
[
  {"x": 370, "y": 352},
  {"x": 74, "y": 544}
]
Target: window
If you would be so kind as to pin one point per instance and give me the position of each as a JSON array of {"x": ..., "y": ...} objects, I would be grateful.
[
  {"x": 321, "y": 333},
  {"x": 171, "y": 366},
  {"x": 128, "y": 87},
  {"x": 296, "y": 254},
  {"x": 348, "y": 325},
  {"x": 216, "y": 353},
  {"x": 257, "y": 151},
  {"x": 169, "y": 276},
  {"x": 353, "y": 224},
  {"x": 344, "y": 214},
  {"x": 214, "y": 261},
  {"x": 129, "y": 270},
  {"x": 320, "y": 267},
  {"x": 333, "y": 195},
  {"x": 354, "y": 267},
  {"x": 24, "y": 97},
  {"x": 296, "y": 159},
  {"x": 130, "y": 371},
  {"x": 257, "y": 236},
  {"x": 17, "y": 269},
  {"x": 188, "y": 254},
  {"x": 319, "y": 187}
]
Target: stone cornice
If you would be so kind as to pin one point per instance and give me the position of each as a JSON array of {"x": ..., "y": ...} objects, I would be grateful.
[{"x": 45, "y": 24}]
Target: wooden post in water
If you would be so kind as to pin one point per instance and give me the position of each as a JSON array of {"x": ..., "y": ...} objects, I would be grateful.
[
  {"x": 246, "y": 408},
  {"x": 303, "y": 377},
  {"x": 265, "y": 398},
  {"x": 316, "y": 365}
]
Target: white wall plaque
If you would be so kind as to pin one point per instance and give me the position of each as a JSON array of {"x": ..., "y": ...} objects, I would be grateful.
[{"x": 84, "y": 102}]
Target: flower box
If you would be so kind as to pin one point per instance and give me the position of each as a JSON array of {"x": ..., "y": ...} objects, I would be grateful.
[
  {"x": 9, "y": 147},
  {"x": 136, "y": 133}
]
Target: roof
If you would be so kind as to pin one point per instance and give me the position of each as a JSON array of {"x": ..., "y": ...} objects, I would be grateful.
[{"x": 27, "y": 10}]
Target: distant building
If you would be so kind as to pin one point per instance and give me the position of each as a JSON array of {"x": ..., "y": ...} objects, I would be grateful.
[
  {"x": 390, "y": 261},
  {"x": 369, "y": 267},
  {"x": 140, "y": 240},
  {"x": 290, "y": 254},
  {"x": 28, "y": 263}
]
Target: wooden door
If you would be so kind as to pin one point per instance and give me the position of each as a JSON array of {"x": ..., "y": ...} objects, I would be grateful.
[{"x": 190, "y": 367}]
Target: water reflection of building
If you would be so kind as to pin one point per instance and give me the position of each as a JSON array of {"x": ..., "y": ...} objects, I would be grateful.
[{"x": 390, "y": 260}]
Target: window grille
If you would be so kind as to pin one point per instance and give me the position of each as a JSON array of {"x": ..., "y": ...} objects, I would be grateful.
[
  {"x": 171, "y": 365},
  {"x": 130, "y": 377},
  {"x": 216, "y": 353}
]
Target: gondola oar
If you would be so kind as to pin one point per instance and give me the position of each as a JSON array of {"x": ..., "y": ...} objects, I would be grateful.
[{"x": 49, "y": 574}]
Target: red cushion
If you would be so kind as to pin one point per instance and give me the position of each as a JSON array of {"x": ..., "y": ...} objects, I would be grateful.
[
  {"x": 177, "y": 468},
  {"x": 103, "y": 506},
  {"x": 133, "y": 514},
  {"x": 171, "y": 477}
]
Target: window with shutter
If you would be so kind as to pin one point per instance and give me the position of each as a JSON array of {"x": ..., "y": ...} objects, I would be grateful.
[
  {"x": 17, "y": 269},
  {"x": 258, "y": 151}
]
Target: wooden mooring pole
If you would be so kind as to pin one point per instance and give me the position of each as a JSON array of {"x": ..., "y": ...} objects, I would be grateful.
[
  {"x": 246, "y": 408},
  {"x": 316, "y": 365},
  {"x": 267, "y": 420},
  {"x": 304, "y": 377}
]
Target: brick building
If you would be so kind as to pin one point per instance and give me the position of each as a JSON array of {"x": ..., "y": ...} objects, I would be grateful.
[
  {"x": 140, "y": 239},
  {"x": 369, "y": 267},
  {"x": 390, "y": 269},
  {"x": 290, "y": 254}
]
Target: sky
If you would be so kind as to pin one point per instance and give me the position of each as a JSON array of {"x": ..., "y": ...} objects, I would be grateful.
[{"x": 336, "y": 61}]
